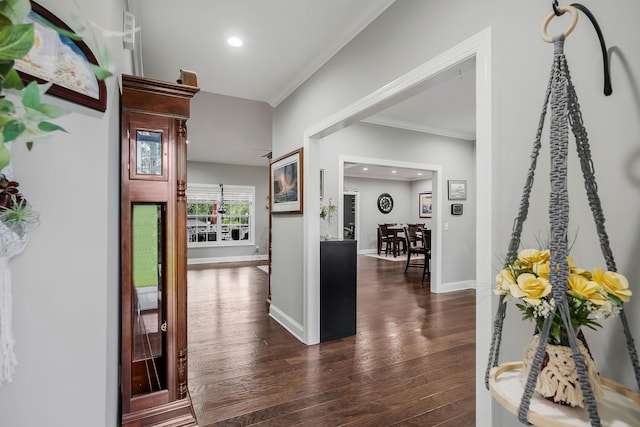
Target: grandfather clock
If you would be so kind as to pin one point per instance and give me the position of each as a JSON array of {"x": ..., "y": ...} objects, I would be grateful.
[{"x": 153, "y": 179}]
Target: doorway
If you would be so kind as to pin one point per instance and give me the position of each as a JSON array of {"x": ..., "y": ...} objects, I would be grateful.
[
  {"x": 478, "y": 46},
  {"x": 350, "y": 213}
]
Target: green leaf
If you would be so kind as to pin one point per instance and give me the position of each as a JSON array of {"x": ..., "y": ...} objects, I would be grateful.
[
  {"x": 49, "y": 127},
  {"x": 12, "y": 130},
  {"x": 7, "y": 107},
  {"x": 62, "y": 31},
  {"x": 12, "y": 80},
  {"x": 17, "y": 41},
  {"x": 5, "y": 156},
  {"x": 31, "y": 96},
  {"x": 15, "y": 10},
  {"x": 29, "y": 145},
  {"x": 5, "y": 67},
  {"x": 101, "y": 73},
  {"x": 52, "y": 111}
]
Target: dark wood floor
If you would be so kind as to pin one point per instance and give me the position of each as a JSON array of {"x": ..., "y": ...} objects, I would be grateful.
[{"x": 411, "y": 362}]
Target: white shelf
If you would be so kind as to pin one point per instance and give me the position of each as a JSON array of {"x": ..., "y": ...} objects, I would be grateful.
[{"x": 619, "y": 406}]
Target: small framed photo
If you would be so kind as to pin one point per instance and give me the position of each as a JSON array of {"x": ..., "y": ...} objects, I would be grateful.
[
  {"x": 425, "y": 204},
  {"x": 456, "y": 209},
  {"x": 286, "y": 183},
  {"x": 457, "y": 189}
]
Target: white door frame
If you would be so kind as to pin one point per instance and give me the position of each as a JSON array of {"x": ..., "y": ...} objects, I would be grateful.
[
  {"x": 436, "y": 235},
  {"x": 478, "y": 46},
  {"x": 341, "y": 207}
]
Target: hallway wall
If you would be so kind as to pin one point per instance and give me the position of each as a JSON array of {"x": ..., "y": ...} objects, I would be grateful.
[
  {"x": 65, "y": 283},
  {"x": 410, "y": 33}
]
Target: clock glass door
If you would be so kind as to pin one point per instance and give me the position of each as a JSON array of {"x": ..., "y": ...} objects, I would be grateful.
[{"x": 149, "y": 364}]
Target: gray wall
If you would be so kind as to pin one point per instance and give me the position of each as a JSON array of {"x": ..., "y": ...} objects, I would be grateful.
[
  {"x": 455, "y": 156},
  {"x": 412, "y": 32},
  {"x": 66, "y": 282},
  {"x": 217, "y": 173},
  {"x": 235, "y": 123}
]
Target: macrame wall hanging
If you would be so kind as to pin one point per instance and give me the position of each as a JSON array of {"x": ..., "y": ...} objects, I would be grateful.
[{"x": 556, "y": 294}]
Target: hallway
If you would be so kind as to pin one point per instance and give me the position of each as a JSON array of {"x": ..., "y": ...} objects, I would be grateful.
[{"x": 411, "y": 362}]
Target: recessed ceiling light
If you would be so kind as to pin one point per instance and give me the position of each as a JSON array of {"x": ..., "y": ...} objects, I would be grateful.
[
  {"x": 235, "y": 41},
  {"x": 419, "y": 173},
  {"x": 394, "y": 171},
  {"x": 365, "y": 169}
]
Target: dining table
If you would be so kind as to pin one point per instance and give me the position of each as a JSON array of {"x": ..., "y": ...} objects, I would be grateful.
[{"x": 395, "y": 230}]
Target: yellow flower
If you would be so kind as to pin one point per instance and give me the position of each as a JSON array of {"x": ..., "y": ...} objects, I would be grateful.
[
  {"x": 504, "y": 280},
  {"x": 529, "y": 257},
  {"x": 541, "y": 269},
  {"x": 582, "y": 288},
  {"x": 613, "y": 283},
  {"x": 530, "y": 288}
]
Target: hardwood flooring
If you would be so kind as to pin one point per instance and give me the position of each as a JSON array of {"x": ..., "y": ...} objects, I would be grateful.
[{"x": 412, "y": 361}]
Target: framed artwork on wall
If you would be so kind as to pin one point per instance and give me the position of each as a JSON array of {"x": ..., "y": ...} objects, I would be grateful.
[
  {"x": 425, "y": 204},
  {"x": 286, "y": 183},
  {"x": 62, "y": 60},
  {"x": 457, "y": 189}
]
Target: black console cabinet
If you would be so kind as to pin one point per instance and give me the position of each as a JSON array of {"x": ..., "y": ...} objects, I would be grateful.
[{"x": 338, "y": 270}]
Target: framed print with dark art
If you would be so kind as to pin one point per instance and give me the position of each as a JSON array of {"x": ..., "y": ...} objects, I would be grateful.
[
  {"x": 457, "y": 190},
  {"x": 425, "y": 204},
  {"x": 65, "y": 62},
  {"x": 286, "y": 183}
]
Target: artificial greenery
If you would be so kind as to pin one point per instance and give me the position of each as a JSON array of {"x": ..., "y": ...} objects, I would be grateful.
[{"x": 23, "y": 117}]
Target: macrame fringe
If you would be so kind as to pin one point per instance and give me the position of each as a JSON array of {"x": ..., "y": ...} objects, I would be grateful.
[
  {"x": 7, "y": 355},
  {"x": 11, "y": 244}
]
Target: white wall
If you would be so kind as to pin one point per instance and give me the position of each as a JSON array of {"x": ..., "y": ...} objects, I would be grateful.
[
  {"x": 410, "y": 33},
  {"x": 218, "y": 173},
  {"x": 65, "y": 283}
]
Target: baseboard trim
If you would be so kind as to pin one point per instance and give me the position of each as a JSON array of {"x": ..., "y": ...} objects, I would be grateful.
[
  {"x": 456, "y": 286},
  {"x": 218, "y": 260},
  {"x": 287, "y": 322}
]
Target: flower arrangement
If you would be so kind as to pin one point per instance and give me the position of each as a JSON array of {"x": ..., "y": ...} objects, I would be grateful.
[
  {"x": 327, "y": 211},
  {"x": 590, "y": 295}
]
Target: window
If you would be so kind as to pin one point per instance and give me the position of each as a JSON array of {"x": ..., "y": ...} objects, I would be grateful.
[{"x": 208, "y": 226}]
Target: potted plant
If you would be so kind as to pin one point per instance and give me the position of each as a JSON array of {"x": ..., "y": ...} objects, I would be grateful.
[{"x": 327, "y": 212}]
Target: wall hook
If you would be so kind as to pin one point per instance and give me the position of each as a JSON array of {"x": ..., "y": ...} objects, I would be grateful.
[{"x": 608, "y": 90}]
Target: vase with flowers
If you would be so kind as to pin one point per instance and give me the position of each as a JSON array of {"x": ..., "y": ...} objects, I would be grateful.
[
  {"x": 591, "y": 296},
  {"x": 327, "y": 212}
]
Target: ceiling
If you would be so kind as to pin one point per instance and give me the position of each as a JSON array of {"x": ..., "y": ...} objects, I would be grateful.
[{"x": 285, "y": 42}]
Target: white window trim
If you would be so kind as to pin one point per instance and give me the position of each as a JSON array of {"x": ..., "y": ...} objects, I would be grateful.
[{"x": 214, "y": 189}]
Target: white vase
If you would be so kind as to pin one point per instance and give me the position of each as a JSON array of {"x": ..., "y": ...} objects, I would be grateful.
[{"x": 327, "y": 235}]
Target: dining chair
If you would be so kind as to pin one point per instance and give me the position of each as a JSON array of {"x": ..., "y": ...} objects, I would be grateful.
[
  {"x": 424, "y": 250},
  {"x": 385, "y": 238},
  {"x": 412, "y": 234}
]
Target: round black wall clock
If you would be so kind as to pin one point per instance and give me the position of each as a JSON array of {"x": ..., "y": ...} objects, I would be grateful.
[{"x": 385, "y": 203}]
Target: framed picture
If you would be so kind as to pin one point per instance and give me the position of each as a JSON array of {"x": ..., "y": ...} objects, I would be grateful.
[
  {"x": 58, "y": 59},
  {"x": 457, "y": 190},
  {"x": 456, "y": 209},
  {"x": 425, "y": 204},
  {"x": 286, "y": 183}
]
